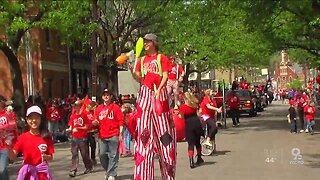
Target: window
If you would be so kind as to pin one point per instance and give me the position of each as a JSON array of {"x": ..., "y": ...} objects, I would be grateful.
[
  {"x": 278, "y": 79},
  {"x": 284, "y": 78},
  {"x": 48, "y": 39},
  {"x": 290, "y": 79}
]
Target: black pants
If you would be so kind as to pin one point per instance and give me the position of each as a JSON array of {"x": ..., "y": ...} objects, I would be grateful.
[
  {"x": 194, "y": 131},
  {"x": 301, "y": 117},
  {"x": 234, "y": 113},
  {"x": 212, "y": 129},
  {"x": 92, "y": 145}
]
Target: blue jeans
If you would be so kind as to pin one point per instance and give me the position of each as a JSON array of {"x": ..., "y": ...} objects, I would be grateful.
[
  {"x": 4, "y": 175},
  {"x": 310, "y": 124},
  {"x": 109, "y": 155},
  {"x": 53, "y": 127}
]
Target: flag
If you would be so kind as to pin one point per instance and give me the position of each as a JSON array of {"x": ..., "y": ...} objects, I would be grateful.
[{"x": 84, "y": 104}]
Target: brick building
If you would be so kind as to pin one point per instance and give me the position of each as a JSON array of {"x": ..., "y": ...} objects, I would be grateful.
[
  {"x": 44, "y": 65},
  {"x": 285, "y": 72}
]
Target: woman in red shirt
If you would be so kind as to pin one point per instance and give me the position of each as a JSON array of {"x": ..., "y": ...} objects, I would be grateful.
[
  {"x": 36, "y": 146},
  {"x": 309, "y": 111},
  {"x": 208, "y": 108},
  {"x": 193, "y": 128}
]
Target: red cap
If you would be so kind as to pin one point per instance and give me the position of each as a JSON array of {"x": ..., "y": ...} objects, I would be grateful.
[
  {"x": 173, "y": 57},
  {"x": 292, "y": 102}
]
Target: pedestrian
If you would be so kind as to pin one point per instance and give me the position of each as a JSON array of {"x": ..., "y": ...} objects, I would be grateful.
[
  {"x": 175, "y": 77},
  {"x": 293, "y": 116},
  {"x": 208, "y": 108},
  {"x": 78, "y": 126},
  {"x": 54, "y": 116},
  {"x": 309, "y": 111},
  {"x": 301, "y": 103},
  {"x": 36, "y": 146},
  {"x": 91, "y": 132},
  {"x": 125, "y": 144},
  {"x": 109, "y": 119},
  {"x": 7, "y": 125},
  {"x": 233, "y": 101},
  {"x": 154, "y": 131},
  {"x": 193, "y": 128}
]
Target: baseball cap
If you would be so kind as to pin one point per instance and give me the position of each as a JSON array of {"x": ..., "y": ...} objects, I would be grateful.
[
  {"x": 151, "y": 37},
  {"x": 173, "y": 57},
  {"x": 106, "y": 91},
  {"x": 292, "y": 102},
  {"x": 34, "y": 109}
]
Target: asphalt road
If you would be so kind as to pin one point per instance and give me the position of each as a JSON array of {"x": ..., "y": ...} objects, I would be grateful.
[{"x": 261, "y": 148}]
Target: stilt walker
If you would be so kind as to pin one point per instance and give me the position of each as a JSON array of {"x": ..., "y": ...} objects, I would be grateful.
[{"x": 155, "y": 127}]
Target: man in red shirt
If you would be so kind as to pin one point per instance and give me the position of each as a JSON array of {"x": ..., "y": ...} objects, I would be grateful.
[
  {"x": 309, "y": 111},
  {"x": 78, "y": 126},
  {"x": 153, "y": 130},
  {"x": 175, "y": 76},
  {"x": 233, "y": 101},
  {"x": 301, "y": 103},
  {"x": 110, "y": 120},
  {"x": 54, "y": 116}
]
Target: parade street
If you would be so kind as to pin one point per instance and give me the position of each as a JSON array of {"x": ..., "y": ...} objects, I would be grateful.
[{"x": 261, "y": 148}]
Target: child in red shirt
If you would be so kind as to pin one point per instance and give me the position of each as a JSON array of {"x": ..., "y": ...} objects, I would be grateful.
[
  {"x": 309, "y": 111},
  {"x": 78, "y": 126},
  {"x": 36, "y": 146}
]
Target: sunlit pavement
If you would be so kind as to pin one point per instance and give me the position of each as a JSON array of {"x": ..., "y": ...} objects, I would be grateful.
[{"x": 262, "y": 148}]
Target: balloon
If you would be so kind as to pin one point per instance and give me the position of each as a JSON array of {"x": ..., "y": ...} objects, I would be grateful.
[
  {"x": 122, "y": 58},
  {"x": 139, "y": 47},
  {"x": 318, "y": 79},
  {"x": 179, "y": 124},
  {"x": 157, "y": 103}
]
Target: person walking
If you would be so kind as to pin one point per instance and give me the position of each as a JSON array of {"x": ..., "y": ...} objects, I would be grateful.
[
  {"x": 293, "y": 116},
  {"x": 193, "y": 128},
  {"x": 233, "y": 101},
  {"x": 175, "y": 77},
  {"x": 109, "y": 119},
  {"x": 36, "y": 146},
  {"x": 309, "y": 111},
  {"x": 78, "y": 126},
  {"x": 208, "y": 108},
  {"x": 154, "y": 131},
  {"x": 301, "y": 103},
  {"x": 54, "y": 116}
]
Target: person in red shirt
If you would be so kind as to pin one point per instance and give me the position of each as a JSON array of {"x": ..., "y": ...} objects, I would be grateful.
[
  {"x": 36, "y": 146},
  {"x": 219, "y": 99},
  {"x": 109, "y": 119},
  {"x": 54, "y": 116},
  {"x": 309, "y": 111},
  {"x": 301, "y": 103},
  {"x": 7, "y": 125},
  {"x": 175, "y": 77},
  {"x": 193, "y": 128},
  {"x": 91, "y": 131},
  {"x": 208, "y": 108},
  {"x": 233, "y": 101},
  {"x": 153, "y": 129},
  {"x": 78, "y": 126}
]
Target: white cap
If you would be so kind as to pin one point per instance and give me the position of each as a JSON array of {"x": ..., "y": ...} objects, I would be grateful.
[{"x": 33, "y": 109}]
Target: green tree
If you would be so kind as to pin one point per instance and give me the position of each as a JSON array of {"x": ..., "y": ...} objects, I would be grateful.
[{"x": 17, "y": 17}]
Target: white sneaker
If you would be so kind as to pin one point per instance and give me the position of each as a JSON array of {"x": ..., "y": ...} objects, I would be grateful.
[
  {"x": 301, "y": 130},
  {"x": 111, "y": 178},
  {"x": 307, "y": 130}
]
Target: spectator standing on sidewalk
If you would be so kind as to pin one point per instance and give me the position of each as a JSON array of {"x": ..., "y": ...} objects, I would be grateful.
[
  {"x": 233, "y": 101},
  {"x": 293, "y": 116},
  {"x": 110, "y": 120},
  {"x": 78, "y": 126}
]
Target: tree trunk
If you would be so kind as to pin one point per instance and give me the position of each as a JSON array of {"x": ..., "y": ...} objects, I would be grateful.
[
  {"x": 186, "y": 77},
  {"x": 16, "y": 78}
]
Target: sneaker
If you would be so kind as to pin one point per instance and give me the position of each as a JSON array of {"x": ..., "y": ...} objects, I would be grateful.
[
  {"x": 199, "y": 160},
  {"x": 111, "y": 178},
  {"x": 87, "y": 171},
  {"x": 94, "y": 162},
  {"x": 72, "y": 173},
  {"x": 233, "y": 125},
  {"x": 307, "y": 130},
  {"x": 301, "y": 130},
  {"x": 238, "y": 124}
]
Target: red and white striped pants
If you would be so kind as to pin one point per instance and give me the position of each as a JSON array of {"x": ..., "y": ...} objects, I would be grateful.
[
  {"x": 154, "y": 133},
  {"x": 173, "y": 86}
]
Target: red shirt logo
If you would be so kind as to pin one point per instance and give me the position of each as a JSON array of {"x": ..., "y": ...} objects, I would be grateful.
[
  {"x": 3, "y": 121},
  {"x": 78, "y": 121},
  {"x": 43, "y": 148},
  {"x": 151, "y": 67}
]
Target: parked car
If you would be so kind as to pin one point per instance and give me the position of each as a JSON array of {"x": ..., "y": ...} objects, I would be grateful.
[{"x": 247, "y": 102}]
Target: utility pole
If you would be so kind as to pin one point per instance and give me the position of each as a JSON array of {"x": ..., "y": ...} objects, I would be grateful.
[{"x": 94, "y": 53}]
